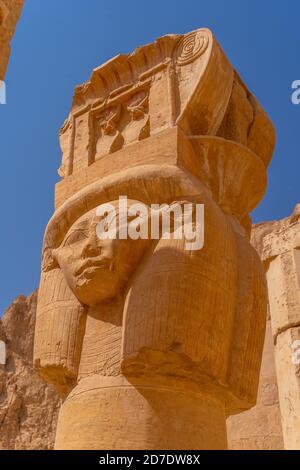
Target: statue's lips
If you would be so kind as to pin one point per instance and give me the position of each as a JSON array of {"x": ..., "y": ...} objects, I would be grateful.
[{"x": 92, "y": 265}]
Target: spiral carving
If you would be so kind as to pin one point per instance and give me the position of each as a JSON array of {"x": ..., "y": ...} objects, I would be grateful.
[{"x": 191, "y": 46}]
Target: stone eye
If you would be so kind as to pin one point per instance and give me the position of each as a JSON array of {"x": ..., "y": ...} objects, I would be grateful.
[{"x": 75, "y": 237}]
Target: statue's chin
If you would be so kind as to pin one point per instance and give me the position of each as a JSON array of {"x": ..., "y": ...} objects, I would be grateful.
[{"x": 93, "y": 290}]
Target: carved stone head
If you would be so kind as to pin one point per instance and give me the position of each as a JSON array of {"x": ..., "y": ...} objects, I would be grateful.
[{"x": 96, "y": 269}]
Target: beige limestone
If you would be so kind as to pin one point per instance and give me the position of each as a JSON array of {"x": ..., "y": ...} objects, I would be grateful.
[
  {"x": 150, "y": 344},
  {"x": 260, "y": 428},
  {"x": 28, "y": 406},
  {"x": 10, "y": 11},
  {"x": 282, "y": 260},
  {"x": 277, "y": 242}
]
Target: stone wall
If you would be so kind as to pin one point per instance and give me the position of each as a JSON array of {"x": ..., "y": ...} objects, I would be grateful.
[
  {"x": 260, "y": 427},
  {"x": 281, "y": 257}
]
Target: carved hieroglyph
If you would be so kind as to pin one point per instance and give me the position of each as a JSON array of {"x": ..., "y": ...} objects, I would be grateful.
[
  {"x": 153, "y": 345},
  {"x": 282, "y": 260},
  {"x": 10, "y": 11}
]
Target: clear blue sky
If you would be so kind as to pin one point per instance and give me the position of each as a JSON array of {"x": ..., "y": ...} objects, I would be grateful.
[{"x": 59, "y": 42}]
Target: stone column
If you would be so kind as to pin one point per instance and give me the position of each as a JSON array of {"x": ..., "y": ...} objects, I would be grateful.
[
  {"x": 153, "y": 344},
  {"x": 282, "y": 260}
]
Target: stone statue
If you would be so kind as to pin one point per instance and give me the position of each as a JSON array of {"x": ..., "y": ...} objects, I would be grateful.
[{"x": 153, "y": 345}]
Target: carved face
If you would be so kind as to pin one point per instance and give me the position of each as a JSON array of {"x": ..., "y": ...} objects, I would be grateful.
[{"x": 96, "y": 270}]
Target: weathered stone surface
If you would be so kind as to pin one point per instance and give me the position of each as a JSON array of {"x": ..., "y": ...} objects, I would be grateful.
[
  {"x": 281, "y": 254},
  {"x": 148, "y": 325},
  {"x": 278, "y": 243},
  {"x": 10, "y": 11},
  {"x": 260, "y": 428},
  {"x": 2, "y": 332},
  {"x": 28, "y": 406}
]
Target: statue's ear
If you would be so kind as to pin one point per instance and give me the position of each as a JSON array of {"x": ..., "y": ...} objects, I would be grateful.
[
  {"x": 60, "y": 326},
  {"x": 49, "y": 260}
]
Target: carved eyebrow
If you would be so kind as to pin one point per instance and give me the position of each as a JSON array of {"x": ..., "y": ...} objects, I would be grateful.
[
  {"x": 74, "y": 231},
  {"x": 82, "y": 223}
]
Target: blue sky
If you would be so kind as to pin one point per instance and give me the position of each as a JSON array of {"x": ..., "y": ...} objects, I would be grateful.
[{"x": 59, "y": 42}]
